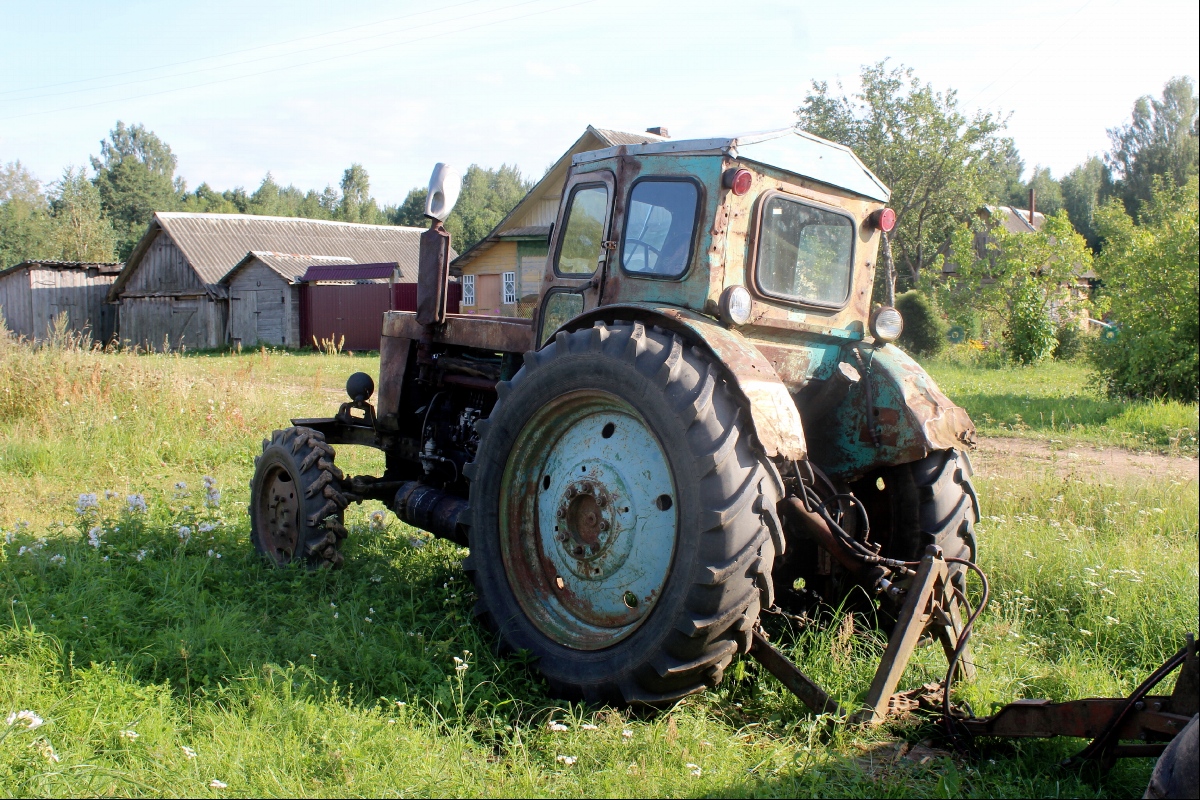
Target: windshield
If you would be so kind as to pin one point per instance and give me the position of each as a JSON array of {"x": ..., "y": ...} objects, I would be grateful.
[
  {"x": 658, "y": 227},
  {"x": 804, "y": 253}
]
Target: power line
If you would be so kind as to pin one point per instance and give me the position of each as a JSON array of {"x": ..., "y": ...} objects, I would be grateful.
[
  {"x": 235, "y": 52},
  {"x": 300, "y": 65},
  {"x": 341, "y": 43}
]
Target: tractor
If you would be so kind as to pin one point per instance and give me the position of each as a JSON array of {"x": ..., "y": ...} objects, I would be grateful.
[{"x": 706, "y": 419}]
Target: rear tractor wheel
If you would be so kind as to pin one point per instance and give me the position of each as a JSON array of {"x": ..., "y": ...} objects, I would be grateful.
[
  {"x": 622, "y": 521},
  {"x": 296, "y": 505}
]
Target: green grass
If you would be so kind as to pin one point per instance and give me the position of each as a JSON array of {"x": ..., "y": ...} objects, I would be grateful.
[
  {"x": 1058, "y": 400},
  {"x": 288, "y": 682}
]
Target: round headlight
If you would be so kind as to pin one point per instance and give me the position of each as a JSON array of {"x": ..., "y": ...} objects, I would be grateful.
[
  {"x": 887, "y": 324},
  {"x": 735, "y": 306}
]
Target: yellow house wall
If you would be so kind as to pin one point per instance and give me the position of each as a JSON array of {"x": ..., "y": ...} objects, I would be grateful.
[{"x": 500, "y": 257}]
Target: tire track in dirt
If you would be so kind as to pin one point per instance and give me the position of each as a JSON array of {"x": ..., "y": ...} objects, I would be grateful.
[{"x": 1003, "y": 457}]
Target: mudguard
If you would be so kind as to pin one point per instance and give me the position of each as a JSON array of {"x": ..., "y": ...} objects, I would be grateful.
[{"x": 772, "y": 410}]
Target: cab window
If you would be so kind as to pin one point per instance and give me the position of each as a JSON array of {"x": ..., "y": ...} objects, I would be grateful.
[
  {"x": 582, "y": 242},
  {"x": 659, "y": 228},
  {"x": 805, "y": 253}
]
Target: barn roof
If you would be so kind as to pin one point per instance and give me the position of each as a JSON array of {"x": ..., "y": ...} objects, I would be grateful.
[
  {"x": 102, "y": 267},
  {"x": 354, "y": 272},
  {"x": 289, "y": 266},
  {"x": 214, "y": 244}
]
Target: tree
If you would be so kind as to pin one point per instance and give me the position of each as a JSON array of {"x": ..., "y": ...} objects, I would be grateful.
[
  {"x": 411, "y": 212},
  {"x": 1160, "y": 140},
  {"x": 80, "y": 230},
  {"x": 1048, "y": 195},
  {"x": 24, "y": 216},
  {"x": 1021, "y": 281},
  {"x": 135, "y": 175},
  {"x": 1151, "y": 273},
  {"x": 939, "y": 164},
  {"x": 487, "y": 197},
  {"x": 1083, "y": 190}
]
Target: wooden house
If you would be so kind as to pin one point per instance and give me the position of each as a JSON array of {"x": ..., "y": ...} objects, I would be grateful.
[
  {"x": 264, "y": 297},
  {"x": 34, "y": 293},
  {"x": 172, "y": 291},
  {"x": 502, "y": 273}
]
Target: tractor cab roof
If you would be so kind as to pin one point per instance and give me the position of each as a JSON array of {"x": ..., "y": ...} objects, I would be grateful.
[{"x": 788, "y": 149}]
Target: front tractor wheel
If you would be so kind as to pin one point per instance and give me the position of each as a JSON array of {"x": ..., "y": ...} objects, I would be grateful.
[
  {"x": 621, "y": 518},
  {"x": 296, "y": 506}
]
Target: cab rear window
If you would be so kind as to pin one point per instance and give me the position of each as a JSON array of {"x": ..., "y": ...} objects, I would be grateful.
[
  {"x": 805, "y": 253},
  {"x": 660, "y": 227}
]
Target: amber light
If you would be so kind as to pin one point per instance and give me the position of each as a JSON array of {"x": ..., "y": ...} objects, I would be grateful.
[
  {"x": 884, "y": 219},
  {"x": 738, "y": 180}
]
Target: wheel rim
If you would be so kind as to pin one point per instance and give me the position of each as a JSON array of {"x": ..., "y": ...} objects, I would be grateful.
[
  {"x": 588, "y": 520},
  {"x": 278, "y": 515}
]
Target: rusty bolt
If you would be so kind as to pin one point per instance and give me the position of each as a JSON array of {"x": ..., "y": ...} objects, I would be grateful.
[
  {"x": 602, "y": 501},
  {"x": 561, "y": 513},
  {"x": 603, "y": 524}
]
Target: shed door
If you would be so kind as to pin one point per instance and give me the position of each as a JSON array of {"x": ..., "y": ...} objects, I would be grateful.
[
  {"x": 269, "y": 310},
  {"x": 243, "y": 325}
]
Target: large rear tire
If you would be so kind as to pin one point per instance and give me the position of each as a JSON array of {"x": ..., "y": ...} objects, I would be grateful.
[
  {"x": 622, "y": 519},
  {"x": 296, "y": 505}
]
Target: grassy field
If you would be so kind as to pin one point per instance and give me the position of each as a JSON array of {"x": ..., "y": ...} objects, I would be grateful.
[{"x": 163, "y": 658}]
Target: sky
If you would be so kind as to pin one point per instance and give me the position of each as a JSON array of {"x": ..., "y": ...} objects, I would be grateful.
[{"x": 302, "y": 88}]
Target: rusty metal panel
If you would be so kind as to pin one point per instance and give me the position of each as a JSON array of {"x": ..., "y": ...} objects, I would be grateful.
[
  {"x": 495, "y": 334},
  {"x": 353, "y": 311}
]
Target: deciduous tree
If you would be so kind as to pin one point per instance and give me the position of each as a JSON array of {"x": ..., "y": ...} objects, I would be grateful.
[
  {"x": 1160, "y": 140},
  {"x": 135, "y": 174},
  {"x": 80, "y": 231}
]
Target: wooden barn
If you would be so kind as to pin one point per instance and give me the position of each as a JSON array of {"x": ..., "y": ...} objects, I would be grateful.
[
  {"x": 33, "y": 293},
  {"x": 502, "y": 273},
  {"x": 171, "y": 292},
  {"x": 264, "y": 297}
]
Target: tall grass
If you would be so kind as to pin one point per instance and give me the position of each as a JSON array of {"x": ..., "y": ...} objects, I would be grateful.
[{"x": 136, "y": 634}]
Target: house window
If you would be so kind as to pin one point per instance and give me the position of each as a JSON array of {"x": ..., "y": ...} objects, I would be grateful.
[
  {"x": 510, "y": 287},
  {"x": 468, "y": 290}
]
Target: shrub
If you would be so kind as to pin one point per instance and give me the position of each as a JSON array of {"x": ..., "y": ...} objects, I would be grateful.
[
  {"x": 1151, "y": 273},
  {"x": 1072, "y": 341},
  {"x": 1030, "y": 333},
  {"x": 924, "y": 329}
]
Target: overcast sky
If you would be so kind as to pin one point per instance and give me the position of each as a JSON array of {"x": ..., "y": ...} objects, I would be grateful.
[{"x": 304, "y": 88}]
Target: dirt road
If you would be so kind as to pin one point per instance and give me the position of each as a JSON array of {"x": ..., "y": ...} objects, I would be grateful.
[{"x": 1005, "y": 457}]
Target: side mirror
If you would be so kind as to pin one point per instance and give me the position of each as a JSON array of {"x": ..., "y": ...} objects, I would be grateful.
[{"x": 444, "y": 186}]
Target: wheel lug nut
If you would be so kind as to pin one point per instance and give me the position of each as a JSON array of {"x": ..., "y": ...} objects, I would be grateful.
[{"x": 603, "y": 524}]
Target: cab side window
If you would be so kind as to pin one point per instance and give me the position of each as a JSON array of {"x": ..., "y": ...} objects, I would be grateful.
[
  {"x": 582, "y": 242},
  {"x": 659, "y": 228}
]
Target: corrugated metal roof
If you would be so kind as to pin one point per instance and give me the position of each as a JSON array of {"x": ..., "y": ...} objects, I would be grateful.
[
  {"x": 615, "y": 138},
  {"x": 214, "y": 244},
  {"x": 103, "y": 267},
  {"x": 528, "y": 230},
  {"x": 290, "y": 266},
  {"x": 1016, "y": 220},
  {"x": 352, "y": 272}
]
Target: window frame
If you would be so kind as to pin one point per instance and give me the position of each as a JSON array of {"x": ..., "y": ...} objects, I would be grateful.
[
  {"x": 605, "y": 224},
  {"x": 543, "y": 335},
  {"x": 508, "y": 279},
  {"x": 696, "y": 219},
  {"x": 756, "y": 246},
  {"x": 468, "y": 291}
]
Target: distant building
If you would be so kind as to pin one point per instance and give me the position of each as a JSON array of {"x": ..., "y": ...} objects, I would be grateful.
[
  {"x": 264, "y": 297},
  {"x": 502, "y": 273},
  {"x": 172, "y": 290},
  {"x": 33, "y": 293}
]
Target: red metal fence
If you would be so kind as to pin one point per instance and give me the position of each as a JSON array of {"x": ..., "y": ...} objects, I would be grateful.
[{"x": 355, "y": 311}]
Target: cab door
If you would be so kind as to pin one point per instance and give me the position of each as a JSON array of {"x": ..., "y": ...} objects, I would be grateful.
[{"x": 580, "y": 250}]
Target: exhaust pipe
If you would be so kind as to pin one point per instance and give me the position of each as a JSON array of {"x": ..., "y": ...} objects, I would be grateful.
[{"x": 433, "y": 510}]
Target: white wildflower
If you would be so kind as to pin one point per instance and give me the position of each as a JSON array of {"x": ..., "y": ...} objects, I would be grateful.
[
  {"x": 368, "y": 619},
  {"x": 109, "y": 494},
  {"x": 461, "y": 666},
  {"x": 187, "y": 751},
  {"x": 209, "y": 481},
  {"x": 141, "y": 555},
  {"x": 136, "y": 504},
  {"x": 49, "y": 754},
  {"x": 332, "y": 604},
  {"x": 181, "y": 486},
  {"x": 216, "y": 784},
  {"x": 335, "y": 615},
  {"x": 626, "y": 734},
  {"x": 86, "y": 503},
  {"x": 1112, "y": 620},
  {"x": 58, "y": 558},
  {"x": 400, "y": 704},
  {"x": 376, "y": 579},
  {"x": 213, "y": 498},
  {"x": 31, "y": 720},
  {"x": 557, "y": 727},
  {"x": 567, "y": 760},
  {"x": 1085, "y": 632},
  {"x": 10, "y": 537},
  {"x": 206, "y": 527},
  {"x": 378, "y": 518},
  {"x": 94, "y": 537},
  {"x": 184, "y": 532},
  {"x": 695, "y": 768},
  {"x": 415, "y": 542},
  {"x": 23, "y": 550},
  {"x": 589, "y": 727},
  {"x": 130, "y": 735}
]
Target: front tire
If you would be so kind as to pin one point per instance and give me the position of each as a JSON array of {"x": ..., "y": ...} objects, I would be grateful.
[
  {"x": 296, "y": 504},
  {"x": 622, "y": 520}
]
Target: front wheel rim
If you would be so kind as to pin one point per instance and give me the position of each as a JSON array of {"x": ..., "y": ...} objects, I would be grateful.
[
  {"x": 588, "y": 519},
  {"x": 278, "y": 515}
]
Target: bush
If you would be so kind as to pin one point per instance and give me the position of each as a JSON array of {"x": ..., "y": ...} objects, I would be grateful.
[
  {"x": 924, "y": 329},
  {"x": 1030, "y": 334},
  {"x": 1151, "y": 273},
  {"x": 1072, "y": 341}
]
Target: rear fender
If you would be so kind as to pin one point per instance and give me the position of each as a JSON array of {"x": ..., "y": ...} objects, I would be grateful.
[
  {"x": 894, "y": 416},
  {"x": 772, "y": 410}
]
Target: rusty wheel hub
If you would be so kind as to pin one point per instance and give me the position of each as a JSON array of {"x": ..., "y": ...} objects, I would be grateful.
[
  {"x": 279, "y": 513},
  {"x": 588, "y": 524}
]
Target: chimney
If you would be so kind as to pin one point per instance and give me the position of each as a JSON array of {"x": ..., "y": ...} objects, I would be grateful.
[
  {"x": 659, "y": 131},
  {"x": 1032, "y": 201}
]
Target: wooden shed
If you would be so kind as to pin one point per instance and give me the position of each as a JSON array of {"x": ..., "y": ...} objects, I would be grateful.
[
  {"x": 33, "y": 293},
  {"x": 502, "y": 273},
  {"x": 264, "y": 297},
  {"x": 172, "y": 292}
]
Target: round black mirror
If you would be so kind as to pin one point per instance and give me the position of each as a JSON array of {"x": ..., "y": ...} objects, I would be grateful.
[{"x": 360, "y": 387}]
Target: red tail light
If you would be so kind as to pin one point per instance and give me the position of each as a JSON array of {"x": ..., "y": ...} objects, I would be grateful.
[
  {"x": 884, "y": 219},
  {"x": 738, "y": 180}
]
